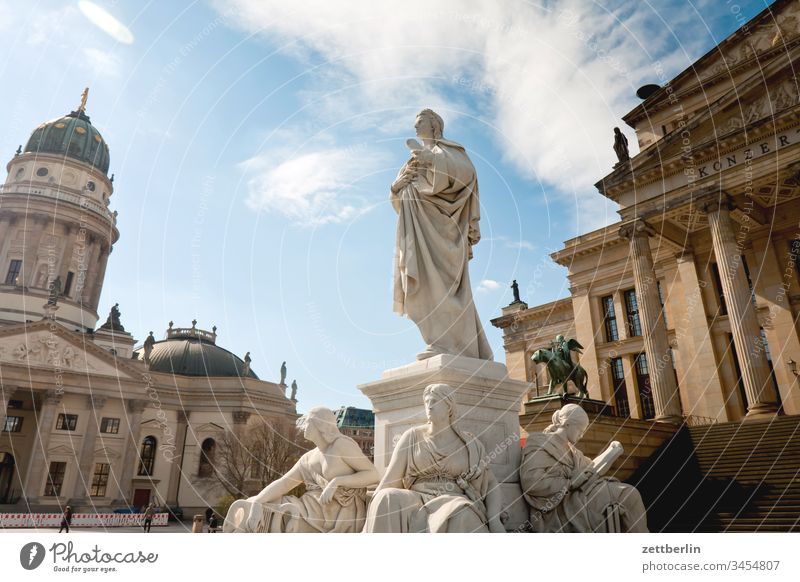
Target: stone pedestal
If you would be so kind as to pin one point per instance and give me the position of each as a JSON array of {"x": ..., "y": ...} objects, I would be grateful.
[{"x": 489, "y": 403}]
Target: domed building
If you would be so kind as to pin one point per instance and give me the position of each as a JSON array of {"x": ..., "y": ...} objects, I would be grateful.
[{"x": 90, "y": 419}]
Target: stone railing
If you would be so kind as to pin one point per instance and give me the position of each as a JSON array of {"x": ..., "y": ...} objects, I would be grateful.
[
  {"x": 694, "y": 420},
  {"x": 61, "y": 196},
  {"x": 183, "y": 332}
]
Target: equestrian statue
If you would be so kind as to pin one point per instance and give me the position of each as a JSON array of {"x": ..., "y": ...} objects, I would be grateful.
[{"x": 560, "y": 367}]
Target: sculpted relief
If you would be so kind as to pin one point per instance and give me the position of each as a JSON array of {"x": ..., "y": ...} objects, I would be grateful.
[{"x": 44, "y": 350}]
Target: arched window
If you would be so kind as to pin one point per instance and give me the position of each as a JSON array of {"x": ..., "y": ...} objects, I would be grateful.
[
  {"x": 148, "y": 456},
  {"x": 207, "y": 450}
]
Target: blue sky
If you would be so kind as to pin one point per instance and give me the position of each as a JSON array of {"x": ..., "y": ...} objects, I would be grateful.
[{"x": 253, "y": 142}]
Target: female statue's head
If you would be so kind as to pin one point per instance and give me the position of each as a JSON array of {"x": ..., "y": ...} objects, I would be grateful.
[
  {"x": 440, "y": 403},
  {"x": 572, "y": 420},
  {"x": 319, "y": 424},
  {"x": 429, "y": 125}
]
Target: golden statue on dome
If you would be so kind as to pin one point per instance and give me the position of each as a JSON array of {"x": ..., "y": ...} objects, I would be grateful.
[{"x": 84, "y": 97}]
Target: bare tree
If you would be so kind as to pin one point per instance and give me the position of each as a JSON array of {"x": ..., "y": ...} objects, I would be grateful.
[{"x": 248, "y": 460}]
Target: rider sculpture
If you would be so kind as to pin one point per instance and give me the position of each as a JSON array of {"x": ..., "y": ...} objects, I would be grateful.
[{"x": 560, "y": 367}]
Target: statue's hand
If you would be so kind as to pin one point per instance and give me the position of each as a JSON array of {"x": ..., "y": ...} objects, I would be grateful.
[
  {"x": 330, "y": 490},
  {"x": 402, "y": 181}
]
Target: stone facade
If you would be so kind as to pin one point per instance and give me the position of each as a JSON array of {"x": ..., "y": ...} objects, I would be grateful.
[{"x": 688, "y": 306}]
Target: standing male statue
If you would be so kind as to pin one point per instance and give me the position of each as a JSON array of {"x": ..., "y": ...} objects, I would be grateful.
[
  {"x": 621, "y": 147},
  {"x": 283, "y": 375},
  {"x": 436, "y": 199}
]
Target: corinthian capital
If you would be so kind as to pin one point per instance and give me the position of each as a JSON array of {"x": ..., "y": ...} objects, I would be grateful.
[{"x": 636, "y": 228}]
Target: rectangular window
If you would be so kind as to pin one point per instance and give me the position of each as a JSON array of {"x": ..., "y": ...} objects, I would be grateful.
[
  {"x": 109, "y": 425},
  {"x": 632, "y": 311},
  {"x": 749, "y": 280},
  {"x": 67, "y": 422},
  {"x": 55, "y": 479},
  {"x": 612, "y": 332},
  {"x": 12, "y": 424},
  {"x": 620, "y": 390},
  {"x": 13, "y": 271},
  {"x": 794, "y": 253},
  {"x": 643, "y": 384},
  {"x": 100, "y": 480},
  {"x": 68, "y": 283},
  {"x": 16, "y": 404},
  {"x": 661, "y": 299},
  {"x": 723, "y": 308}
]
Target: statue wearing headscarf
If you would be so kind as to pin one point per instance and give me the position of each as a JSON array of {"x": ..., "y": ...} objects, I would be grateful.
[
  {"x": 436, "y": 199},
  {"x": 438, "y": 479}
]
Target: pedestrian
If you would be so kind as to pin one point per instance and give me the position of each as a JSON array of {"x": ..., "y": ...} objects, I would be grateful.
[
  {"x": 213, "y": 523},
  {"x": 66, "y": 519},
  {"x": 148, "y": 518}
]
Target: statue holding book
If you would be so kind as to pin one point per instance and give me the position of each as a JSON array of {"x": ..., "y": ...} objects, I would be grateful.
[{"x": 567, "y": 491}]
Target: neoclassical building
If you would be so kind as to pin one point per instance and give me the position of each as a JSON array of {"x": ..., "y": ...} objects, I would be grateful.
[
  {"x": 88, "y": 419},
  {"x": 688, "y": 306}
]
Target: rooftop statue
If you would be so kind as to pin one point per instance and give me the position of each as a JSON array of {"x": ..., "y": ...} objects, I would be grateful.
[
  {"x": 560, "y": 367},
  {"x": 566, "y": 490},
  {"x": 336, "y": 475},
  {"x": 435, "y": 196},
  {"x": 621, "y": 147}
]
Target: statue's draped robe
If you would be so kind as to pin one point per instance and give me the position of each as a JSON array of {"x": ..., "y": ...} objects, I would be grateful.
[
  {"x": 344, "y": 514},
  {"x": 442, "y": 491},
  {"x": 549, "y": 463},
  {"x": 438, "y": 215}
]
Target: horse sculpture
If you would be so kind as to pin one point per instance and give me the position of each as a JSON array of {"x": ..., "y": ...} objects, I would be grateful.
[{"x": 562, "y": 372}]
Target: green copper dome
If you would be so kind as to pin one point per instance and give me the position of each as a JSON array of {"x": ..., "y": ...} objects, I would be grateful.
[
  {"x": 193, "y": 352},
  {"x": 73, "y": 136}
]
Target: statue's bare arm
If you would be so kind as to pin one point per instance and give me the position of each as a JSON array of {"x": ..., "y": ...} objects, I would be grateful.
[
  {"x": 397, "y": 465},
  {"x": 364, "y": 472}
]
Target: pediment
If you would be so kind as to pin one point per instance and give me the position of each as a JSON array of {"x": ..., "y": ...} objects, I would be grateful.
[
  {"x": 61, "y": 450},
  {"x": 209, "y": 427},
  {"x": 49, "y": 345},
  {"x": 104, "y": 453},
  {"x": 745, "y": 52}
]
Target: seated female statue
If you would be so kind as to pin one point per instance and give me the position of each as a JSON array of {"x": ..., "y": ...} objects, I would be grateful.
[
  {"x": 438, "y": 479},
  {"x": 336, "y": 474},
  {"x": 564, "y": 487}
]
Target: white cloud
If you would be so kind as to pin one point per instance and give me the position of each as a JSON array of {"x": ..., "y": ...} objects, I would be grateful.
[
  {"x": 312, "y": 188},
  {"x": 551, "y": 80},
  {"x": 488, "y": 285}
]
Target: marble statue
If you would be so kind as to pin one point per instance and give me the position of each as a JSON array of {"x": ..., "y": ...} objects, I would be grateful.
[
  {"x": 566, "y": 490},
  {"x": 621, "y": 147},
  {"x": 54, "y": 291},
  {"x": 435, "y": 196},
  {"x": 283, "y": 375},
  {"x": 560, "y": 367},
  {"x": 148, "y": 348},
  {"x": 336, "y": 475},
  {"x": 438, "y": 479},
  {"x": 247, "y": 360},
  {"x": 294, "y": 391}
]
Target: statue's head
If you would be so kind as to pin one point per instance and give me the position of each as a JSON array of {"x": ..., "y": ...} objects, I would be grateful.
[
  {"x": 440, "y": 403},
  {"x": 559, "y": 338},
  {"x": 572, "y": 420},
  {"x": 429, "y": 125},
  {"x": 318, "y": 424},
  {"x": 616, "y": 130}
]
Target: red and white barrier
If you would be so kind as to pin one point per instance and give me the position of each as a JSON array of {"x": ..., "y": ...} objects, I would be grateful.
[{"x": 9, "y": 520}]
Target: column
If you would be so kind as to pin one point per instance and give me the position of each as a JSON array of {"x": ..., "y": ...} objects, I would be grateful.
[
  {"x": 585, "y": 318},
  {"x": 70, "y": 237},
  {"x": 176, "y": 468},
  {"x": 83, "y": 480},
  {"x": 631, "y": 387},
  {"x": 31, "y": 252},
  {"x": 6, "y": 238},
  {"x": 97, "y": 283},
  {"x": 130, "y": 458},
  {"x": 91, "y": 257},
  {"x": 773, "y": 284},
  {"x": 37, "y": 464},
  {"x": 654, "y": 332},
  {"x": 741, "y": 311},
  {"x": 703, "y": 394}
]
